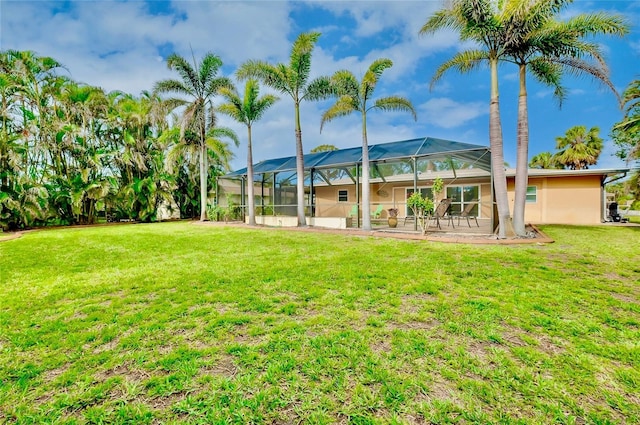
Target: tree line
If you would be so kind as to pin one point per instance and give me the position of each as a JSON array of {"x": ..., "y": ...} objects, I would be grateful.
[{"x": 69, "y": 151}]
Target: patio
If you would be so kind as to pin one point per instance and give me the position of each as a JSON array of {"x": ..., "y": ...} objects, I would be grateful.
[
  {"x": 410, "y": 226},
  {"x": 333, "y": 185}
]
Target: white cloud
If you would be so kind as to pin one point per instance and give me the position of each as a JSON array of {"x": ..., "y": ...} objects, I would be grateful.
[{"x": 447, "y": 113}]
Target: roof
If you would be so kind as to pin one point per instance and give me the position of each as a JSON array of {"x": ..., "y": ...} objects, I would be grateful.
[
  {"x": 424, "y": 147},
  {"x": 552, "y": 172},
  {"x": 474, "y": 173}
]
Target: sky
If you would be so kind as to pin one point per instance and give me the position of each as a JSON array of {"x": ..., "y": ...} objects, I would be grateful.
[{"x": 123, "y": 45}]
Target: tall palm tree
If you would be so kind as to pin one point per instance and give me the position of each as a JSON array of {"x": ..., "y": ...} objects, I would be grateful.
[
  {"x": 483, "y": 22},
  {"x": 626, "y": 133},
  {"x": 293, "y": 80},
  {"x": 547, "y": 47},
  {"x": 200, "y": 83},
  {"x": 579, "y": 148},
  {"x": 247, "y": 111},
  {"x": 353, "y": 96},
  {"x": 184, "y": 148}
]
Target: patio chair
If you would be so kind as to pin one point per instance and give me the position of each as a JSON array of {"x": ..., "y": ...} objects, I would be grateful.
[
  {"x": 377, "y": 213},
  {"x": 442, "y": 213},
  {"x": 354, "y": 211},
  {"x": 624, "y": 212},
  {"x": 466, "y": 213}
]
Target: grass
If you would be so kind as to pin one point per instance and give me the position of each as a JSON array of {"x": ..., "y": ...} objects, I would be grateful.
[{"x": 179, "y": 323}]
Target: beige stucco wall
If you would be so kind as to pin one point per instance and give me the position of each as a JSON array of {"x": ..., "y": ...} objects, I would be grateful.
[
  {"x": 559, "y": 200},
  {"x": 563, "y": 200},
  {"x": 389, "y": 195}
]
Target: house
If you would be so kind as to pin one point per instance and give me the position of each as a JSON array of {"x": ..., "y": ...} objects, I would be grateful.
[{"x": 397, "y": 169}]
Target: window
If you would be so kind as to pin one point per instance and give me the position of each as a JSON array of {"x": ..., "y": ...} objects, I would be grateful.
[
  {"x": 343, "y": 195},
  {"x": 532, "y": 194},
  {"x": 461, "y": 196}
]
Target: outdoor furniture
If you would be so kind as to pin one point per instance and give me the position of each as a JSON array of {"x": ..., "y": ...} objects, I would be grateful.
[
  {"x": 354, "y": 211},
  {"x": 624, "y": 211},
  {"x": 442, "y": 213},
  {"x": 408, "y": 217},
  {"x": 466, "y": 213},
  {"x": 377, "y": 213}
]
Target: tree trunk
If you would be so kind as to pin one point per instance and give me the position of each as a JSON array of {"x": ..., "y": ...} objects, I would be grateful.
[
  {"x": 497, "y": 154},
  {"x": 522, "y": 156},
  {"x": 366, "y": 189},
  {"x": 252, "y": 206},
  {"x": 299, "y": 168},
  {"x": 203, "y": 182}
]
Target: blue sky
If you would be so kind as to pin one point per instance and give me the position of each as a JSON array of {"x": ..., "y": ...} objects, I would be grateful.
[{"x": 122, "y": 45}]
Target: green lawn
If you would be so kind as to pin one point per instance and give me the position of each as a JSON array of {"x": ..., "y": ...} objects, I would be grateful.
[{"x": 180, "y": 323}]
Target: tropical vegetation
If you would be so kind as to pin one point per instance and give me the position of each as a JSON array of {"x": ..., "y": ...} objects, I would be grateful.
[
  {"x": 356, "y": 96},
  {"x": 71, "y": 153},
  {"x": 576, "y": 150},
  {"x": 526, "y": 34},
  {"x": 579, "y": 148},
  {"x": 292, "y": 79},
  {"x": 547, "y": 48},
  {"x": 247, "y": 111},
  {"x": 626, "y": 135},
  {"x": 484, "y": 23},
  {"x": 200, "y": 83}
]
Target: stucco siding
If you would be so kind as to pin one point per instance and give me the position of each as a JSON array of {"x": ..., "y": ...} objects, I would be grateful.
[{"x": 563, "y": 200}]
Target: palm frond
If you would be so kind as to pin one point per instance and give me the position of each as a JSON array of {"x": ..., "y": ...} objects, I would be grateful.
[
  {"x": 234, "y": 106},
  {"x": 208, "y": 69},
  {"x": 172, "y": 86},
  {"x": 549, "y": 74},
  {"x": 216, "y": 84},
  {"x": 370, "y": 78},
  {"x": 589, "y": 24},
  {"x": 395, "y": 103},
  {"x": 274, "y": 76},
  {"x": 345, "y": 83},
  {"x": 300, "y": 58},
  {"x": 218, "y": 132},
  {"x": 342, "y": 107},
  {"x": 318, "y": 89},
  {"x": 444, "y": 18},
  {"x": 188, "y": 74},
  {"x": 580, "y": 68},
  {"x": 463, "y": 62}
]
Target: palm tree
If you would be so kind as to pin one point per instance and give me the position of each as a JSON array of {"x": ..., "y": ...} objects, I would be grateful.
[
  {"x": 545, "y": 160},
  {"x": 579, "y": 148},
  {"x": 201, "y": 84},
  {"x": 353, "y": 96},
  {"x": 247, "y": 111},
  {"x": 185, "y": 150},
  {"x": 484, "y": 22},
  {"x": 293, "y": 80},
  {"x": 626, "y": 133},
  {"x": 631, "y": 100},
  {"x": 547, "y": 47}
]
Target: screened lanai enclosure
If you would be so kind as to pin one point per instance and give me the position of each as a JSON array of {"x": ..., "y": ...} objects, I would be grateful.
[{"x": 333, "y": 182}]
